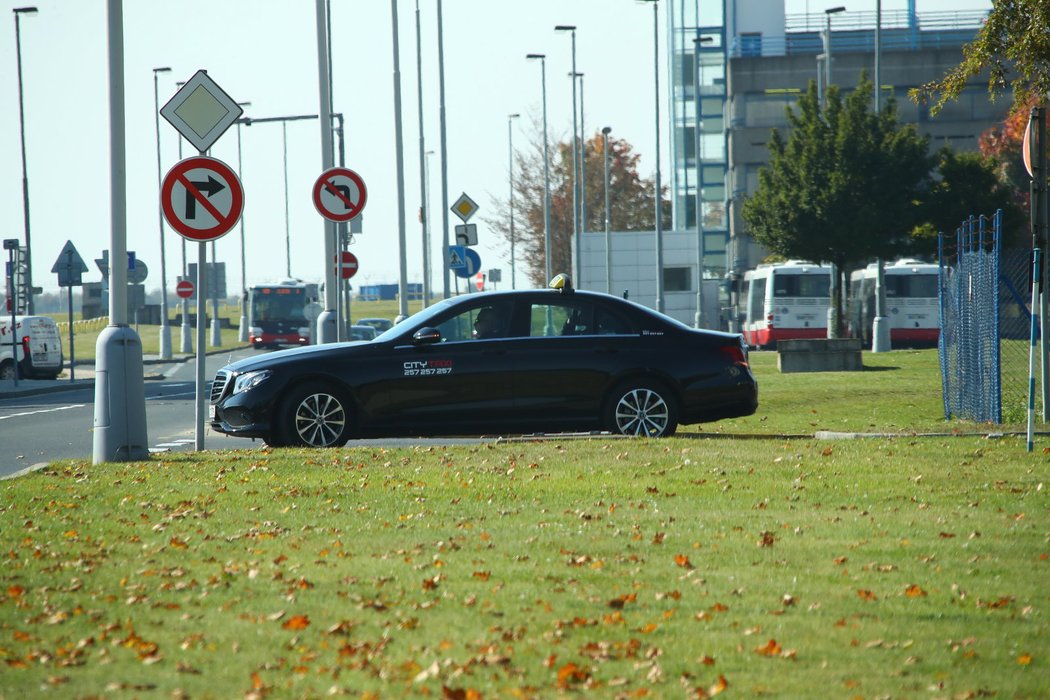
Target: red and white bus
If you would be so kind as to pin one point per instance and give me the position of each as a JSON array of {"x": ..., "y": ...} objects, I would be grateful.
[
  {"x": 784, "y": 301},
  {"x": 911, "y": 302},
  {"x": 277, "y": 313}
]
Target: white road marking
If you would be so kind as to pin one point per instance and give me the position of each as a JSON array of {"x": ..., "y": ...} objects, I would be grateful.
[{"x": 44, "y": 410}]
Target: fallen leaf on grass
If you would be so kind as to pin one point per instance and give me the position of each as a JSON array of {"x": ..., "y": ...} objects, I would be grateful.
[
  {"x": 770, "y": 648},
  {"x": 865, "y": 594},
  {"x": 683, "y": 561},
  {"x": 297, "y": 622},
  {"x": 915, "y": 591},
  {"x": 1024, "y": 659}
]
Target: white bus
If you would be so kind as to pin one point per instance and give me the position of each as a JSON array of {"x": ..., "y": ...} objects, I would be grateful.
[
  {"x": 911, "y": 302},
  {"x": 784, "y": 301}
]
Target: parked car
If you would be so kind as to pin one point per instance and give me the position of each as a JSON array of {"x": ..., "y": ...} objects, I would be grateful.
[
  {"x": 36, "y": 341},
  {"x": 362, "y": 332},
  {"x": 508, "y": 362},
  {"x": 380, "y": 324}
]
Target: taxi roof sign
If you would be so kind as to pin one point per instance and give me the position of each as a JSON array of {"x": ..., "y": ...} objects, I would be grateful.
[{"x": 201, "y": 111}]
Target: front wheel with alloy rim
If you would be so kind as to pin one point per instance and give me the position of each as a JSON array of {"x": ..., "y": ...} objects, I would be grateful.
[
  {"x": 641, "y": 409},
  {"x": 314, "y": 415}
]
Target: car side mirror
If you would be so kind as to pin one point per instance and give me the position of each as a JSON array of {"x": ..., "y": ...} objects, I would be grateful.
[{"x": 426, "y": 336}]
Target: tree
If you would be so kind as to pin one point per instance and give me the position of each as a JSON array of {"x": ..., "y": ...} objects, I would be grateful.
[
  {"x": 1014, "y": 38},
  {"x": 1003, "y": 143},
  {"x": 966, "y": 184},
  {"x": 630, "y": 198},
  {"x": 843, "y": 188}
]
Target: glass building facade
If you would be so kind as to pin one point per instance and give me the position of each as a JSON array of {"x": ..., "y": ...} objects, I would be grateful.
[{"x": 698, "y": 135}]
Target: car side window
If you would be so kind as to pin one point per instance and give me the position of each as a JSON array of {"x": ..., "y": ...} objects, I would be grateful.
[
  {"x": 607, "y": 322},
  {"x": 481, "y": 323},
  {"x": 548, "y": 319}
]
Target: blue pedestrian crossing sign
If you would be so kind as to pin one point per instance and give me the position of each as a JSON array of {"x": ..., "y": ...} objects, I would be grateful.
[{"x": 463, "y": 261}]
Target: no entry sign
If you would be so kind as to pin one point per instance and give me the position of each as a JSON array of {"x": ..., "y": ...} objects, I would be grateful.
[
  {"x": 184, "y": 289},
  {"x": 202, "y": 198},
  {"x": 349, "y": 266},
  {"x": 339, "y": 194}
]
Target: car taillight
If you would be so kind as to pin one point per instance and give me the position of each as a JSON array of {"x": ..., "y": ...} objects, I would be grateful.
[
  {"x": 735, "y": 354},
  {"x": 25, "y": 345},
  {"x": 769, "y": 320}
]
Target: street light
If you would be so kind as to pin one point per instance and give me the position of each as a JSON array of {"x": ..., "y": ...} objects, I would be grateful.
[
  {"x": 242, "y": 333},
  {"x": 656, "y": 105},
  {"x": 19, "y": 11},
  {"x": 510, "y": 172},
  {"x": 833, "y": 314},
  {"x": 608, "y": 238},
  {"x": 423, "y": 213},
  {"x": 185, "y": 330},
  {"x": 426, "y": 213},
  {"x": 575, "y": 161},
  {"x": 698, "y": 320},
  {"x": 880, "y": 327},
  {"x": 583, "y": 165},
  {"x": 546, "y": 167},
  {"x": 827, "y": 43},
  {"x": 165, "y": 329}
]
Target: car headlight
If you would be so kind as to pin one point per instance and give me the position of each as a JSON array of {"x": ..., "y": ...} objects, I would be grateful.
[{"x": 246, "y": 381}]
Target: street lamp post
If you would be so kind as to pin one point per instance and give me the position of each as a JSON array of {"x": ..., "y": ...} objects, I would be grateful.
[
  {"x": 608, "y": 237},
  {"x": 656, "y": 188},
  {"x": 19, "y": 11},
  {"x": 165, "y": 329},
  {"x": 880, "y": 327},
  {"x": 833, "y": 309},
  {"x": 698, "y": 320},
  {"x": 575, "y": 160},
  {"x": 510, "y": 173},
  {"x": 242, "y": 332},
  {"x": 186, "y": 330},
  {"x": 827, "y": 44},
  {"x": 583, "y": 165},
  {"x": 547, "y": 252},
  {"x": 426, "y": 213},
  {"x": 423, "y": 213}
]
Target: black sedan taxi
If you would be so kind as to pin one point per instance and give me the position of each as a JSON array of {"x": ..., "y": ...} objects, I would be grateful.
[{"x": 514, "y": 362}]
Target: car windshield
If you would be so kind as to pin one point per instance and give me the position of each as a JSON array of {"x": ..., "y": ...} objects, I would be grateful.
[{"x": 415, "y": 321}]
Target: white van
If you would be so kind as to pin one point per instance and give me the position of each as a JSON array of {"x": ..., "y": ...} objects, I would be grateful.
[{"x": 38, "y": 344}]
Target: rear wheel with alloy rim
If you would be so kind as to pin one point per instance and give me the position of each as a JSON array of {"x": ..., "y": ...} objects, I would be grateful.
[
  {"x": 642, "y": 409},
  {"x": 314, "y": 415}
]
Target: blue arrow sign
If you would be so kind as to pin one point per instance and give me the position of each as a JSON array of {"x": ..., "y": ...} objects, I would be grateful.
[{"x": 467, "y": 260}]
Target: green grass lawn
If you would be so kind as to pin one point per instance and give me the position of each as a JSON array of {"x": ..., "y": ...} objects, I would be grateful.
[{"x": 735, "y": 558}]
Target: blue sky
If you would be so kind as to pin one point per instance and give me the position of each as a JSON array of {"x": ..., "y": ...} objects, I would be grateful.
[{"x": 264, "y": 51}]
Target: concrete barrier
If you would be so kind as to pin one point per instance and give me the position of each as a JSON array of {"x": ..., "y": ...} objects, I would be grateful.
[{"x": 819, "y": 355}]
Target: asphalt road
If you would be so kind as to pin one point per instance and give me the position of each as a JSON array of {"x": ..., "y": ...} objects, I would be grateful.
[{"x": 45, "y": 421}]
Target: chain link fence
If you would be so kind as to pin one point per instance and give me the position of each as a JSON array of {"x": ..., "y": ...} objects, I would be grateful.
[{"x": 985, "y": 299}]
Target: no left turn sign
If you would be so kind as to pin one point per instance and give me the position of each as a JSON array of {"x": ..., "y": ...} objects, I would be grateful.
[
  {"x": 202, "y": 198},
  {"x": 339, "y": 194}
]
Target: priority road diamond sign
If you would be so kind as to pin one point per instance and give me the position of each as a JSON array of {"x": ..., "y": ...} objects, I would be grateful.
[
  {"x": 464, "y": 207},
  {"x": 201, "y": 111}
]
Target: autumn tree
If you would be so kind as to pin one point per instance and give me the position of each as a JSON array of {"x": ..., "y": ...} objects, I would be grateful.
[
  {"x": 630, "y": 199},
  {"x": 962, "y": 185},
  {"x": 1013, "y": 46},
  {"x": 842, "y": 188}
]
